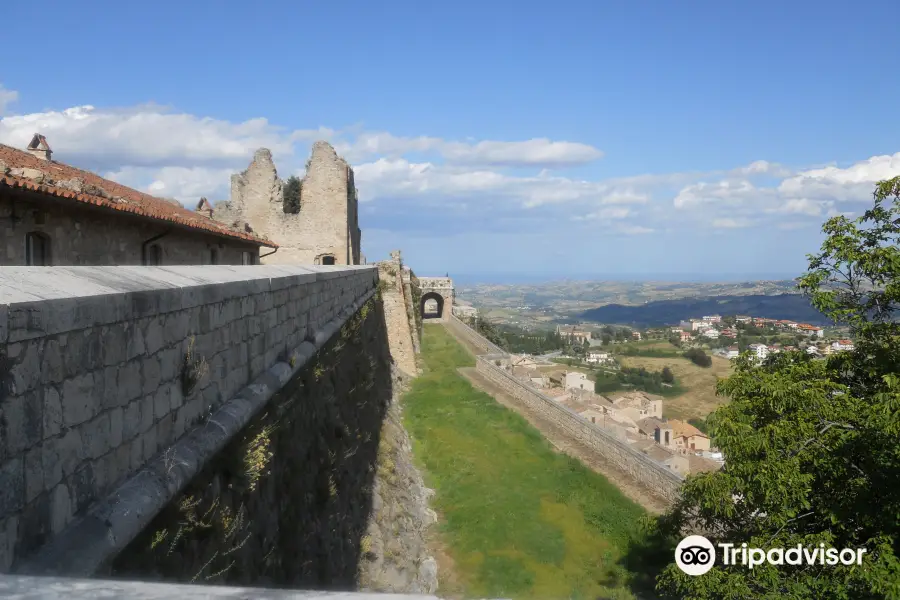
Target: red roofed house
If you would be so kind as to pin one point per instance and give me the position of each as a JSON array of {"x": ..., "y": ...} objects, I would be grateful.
[{"x": 55, "y": 214}]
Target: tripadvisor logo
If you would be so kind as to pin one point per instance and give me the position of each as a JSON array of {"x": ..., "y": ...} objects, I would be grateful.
[{"x": 696, "y": 555}]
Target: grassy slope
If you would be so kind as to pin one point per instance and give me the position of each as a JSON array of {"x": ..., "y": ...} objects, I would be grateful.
[{"x": 519, "y": 520}]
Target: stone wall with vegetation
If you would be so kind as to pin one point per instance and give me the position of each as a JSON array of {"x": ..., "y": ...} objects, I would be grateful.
[
  {"x": 288, "y": 503},
  {"x": 104, "y": 369},
  {"x": 655, "y": 477}
]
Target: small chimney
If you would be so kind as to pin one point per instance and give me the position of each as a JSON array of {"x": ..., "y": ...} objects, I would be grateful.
[
  {"x": 39, "y": 147},
  {"x": 205, "y": 208}
]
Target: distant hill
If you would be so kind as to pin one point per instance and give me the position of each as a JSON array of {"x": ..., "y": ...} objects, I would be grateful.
[{"x": 663, "y": 312}]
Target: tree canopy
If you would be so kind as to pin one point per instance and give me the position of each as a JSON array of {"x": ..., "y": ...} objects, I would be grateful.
[
  {"x": 812, "y": 447},
  {"x": 292, "y": 189}
]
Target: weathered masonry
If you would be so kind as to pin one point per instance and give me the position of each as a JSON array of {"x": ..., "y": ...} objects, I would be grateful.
[
  {"x": 118, "y": 385},
  {"x": 437, "y": 298},
  {"x": 655, "y": 477}
]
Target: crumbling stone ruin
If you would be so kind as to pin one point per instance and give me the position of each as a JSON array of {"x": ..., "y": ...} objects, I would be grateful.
[{"x": 324, "y": 232}]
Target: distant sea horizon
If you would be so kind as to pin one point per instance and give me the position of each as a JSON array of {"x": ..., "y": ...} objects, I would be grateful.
[{"x": 535, "y": 278}]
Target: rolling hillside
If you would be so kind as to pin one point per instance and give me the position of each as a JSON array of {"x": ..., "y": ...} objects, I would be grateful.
[{"x": 662, "y": 312}]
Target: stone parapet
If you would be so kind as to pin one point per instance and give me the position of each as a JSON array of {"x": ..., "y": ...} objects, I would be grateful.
[
  {"x": 473, "y": 337},
  {"x": 110, "y": 376}
]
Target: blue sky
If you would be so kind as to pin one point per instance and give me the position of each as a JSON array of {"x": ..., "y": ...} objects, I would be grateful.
[{"x": 572, "y": 138}]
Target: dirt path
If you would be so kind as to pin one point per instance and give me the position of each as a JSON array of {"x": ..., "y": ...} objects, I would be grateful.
[{"x": 565, "y": 444}]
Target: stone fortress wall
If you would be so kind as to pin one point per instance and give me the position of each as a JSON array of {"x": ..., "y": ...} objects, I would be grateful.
[
  {"x": 118, "y": 383},
  {"x": 655, "y": 477},
  {"x": 327, "y": 224}
]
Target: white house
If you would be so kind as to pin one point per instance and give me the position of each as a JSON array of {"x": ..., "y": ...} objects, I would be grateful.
[
  {"x": 597, "y": 356},
  {"x": 711, "y": 333},
  {"x": 713, "y": 318},
  {"x": 577, "y": 381},
  {"x": 731, "y": 352},
  {"x": 761, "y": 351},
  {"x": 842, "y": 345}
]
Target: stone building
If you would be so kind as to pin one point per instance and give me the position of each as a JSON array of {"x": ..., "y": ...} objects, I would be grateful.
[
  {"x": 55, "y": 214},
  {"x": 326, "y": 229}
]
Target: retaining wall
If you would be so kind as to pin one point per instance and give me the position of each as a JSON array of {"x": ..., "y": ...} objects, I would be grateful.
[
  {"x": 656, "y": 477},
  {"x": 92, "y": 388},
  {"x": 473, "y": 337}
]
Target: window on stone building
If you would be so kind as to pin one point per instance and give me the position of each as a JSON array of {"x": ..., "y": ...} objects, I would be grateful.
[
  {"x": 154, "y": 256},
  {"x": 247, "y": 258},
  {"x": 37, "y": 249},
  {"x": 213, "y": 256},
  {"x": 328, "y": 260}
]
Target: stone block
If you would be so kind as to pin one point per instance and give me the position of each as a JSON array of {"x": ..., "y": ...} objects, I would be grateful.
[
  {"x": 162, "y": 404},
  {"x": 154, "y": 337},
  {"x": 60, "y": 508},
  {"x": 34, "y": 473},
  {"x": 135, "y": 342},
  {"x": 176, "y": 327},
  {"x": 52, "y": 365},
  {"x": 77, "y": 400},
  {"x": 25, "y": 373},
  {"x": 176, "y": 397},
  {"x": 82, "y": 486},
  {"x": 136, "y": 453},
  {"x": 24, "y": 421},
  {"x": 116, "y": 426},
  {"x": 150, "y": 443},
  {"x": 148, "y": 407},
  {"x": 95, "y": 436},
  {"x": 106, "y": 388},
  {"x": 131, "y": 421},
  {"x": 52, "y": 415},
  {"x": 122, "y": 463},
  {"x": 4, "y": 329},
  {"x": 12, "y": 486},
  {"x": 9, "y": 533},
  {"x": 151, "y": 374},
  {"x": 129, "y": 382},
  {"x": 165, "y": 431},
  {"x": 114, "y": 343},
  {"x": 170, "y": 361}
]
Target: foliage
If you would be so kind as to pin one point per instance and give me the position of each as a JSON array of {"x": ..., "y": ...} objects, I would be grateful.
[
  {"x": 519, "y": 519},
  {"x": 699, "y": 424},
  {"x": 637, "y": 378},
  {"x": 525, "y": 342},
  {"x": 698, "y": 357},
  {"x": 675, "y": 340},
  {"x": 635, "y": 350},
  {"x": 490, "y": 331},
  {"x": 811, "y": 446},
  {"x": 292, "y": 190},
  {"x": 666, "y": 375}
]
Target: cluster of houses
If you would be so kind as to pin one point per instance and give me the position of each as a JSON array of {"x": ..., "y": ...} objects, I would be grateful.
[
  {"x": 712, "y": 328},
  {"x": 635, "y": 417}
]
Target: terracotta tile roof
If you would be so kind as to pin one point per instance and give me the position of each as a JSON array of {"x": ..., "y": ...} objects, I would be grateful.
[
  {"x": 66, "y": 182},
  {"x": 682, "y": 428}
]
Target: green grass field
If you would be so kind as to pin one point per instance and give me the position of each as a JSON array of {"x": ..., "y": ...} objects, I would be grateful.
[{"x": 518, "y": 519}]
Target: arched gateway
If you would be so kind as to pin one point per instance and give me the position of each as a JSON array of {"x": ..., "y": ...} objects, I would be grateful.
[{"x": 437, "y": 297}]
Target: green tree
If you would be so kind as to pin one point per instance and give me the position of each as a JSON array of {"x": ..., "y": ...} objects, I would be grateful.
[
  {"x": 292, "y": 188},
  {"x": 667, "y": 375},
  {"x": 811, "y": 447},
  {"x": 698, "y": 357},
  {"x": 607, "y": 338}
]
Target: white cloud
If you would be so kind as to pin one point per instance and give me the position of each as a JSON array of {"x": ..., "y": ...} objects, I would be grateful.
[
  {"x": 528, "y": 153},
  {"x": 143, "y": 136},
  {"x": 7, "y": 97},
  {"x": 852, "y": 184},
  {"x": 184, "y": 183},
  {"x": 730, "y": 223},
  {"x": 634, "y": 229}
]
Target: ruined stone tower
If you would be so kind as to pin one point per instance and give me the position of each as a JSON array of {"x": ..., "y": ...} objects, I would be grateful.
[{"x": 325, "y": 231}]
